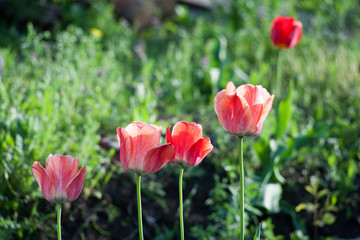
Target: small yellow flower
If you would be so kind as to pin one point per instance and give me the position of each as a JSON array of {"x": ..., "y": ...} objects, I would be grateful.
[{"x": 96, "y": 32}]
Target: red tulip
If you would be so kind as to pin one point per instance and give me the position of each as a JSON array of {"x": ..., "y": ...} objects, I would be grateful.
[
  {"x": 60, "y": 180},
  {"x": 140, "y": 151},
  {"x": 242, "y": 111},
  {"x": 286, "y": 32},
  {"x": 190, "y": 147}
]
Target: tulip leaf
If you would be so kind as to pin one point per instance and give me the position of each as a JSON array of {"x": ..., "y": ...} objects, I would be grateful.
[
  {"x": 257, "y": 234},
  {"x": 272, "y": 196},
  {"x": 284, "y": 112}
]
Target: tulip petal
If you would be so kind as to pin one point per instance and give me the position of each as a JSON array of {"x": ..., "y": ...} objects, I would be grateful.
[
  {"x": 233, "y": 112},
  {"x": 75, "y": 186},
  {"x": 168, "y": 137},
  {"x": 125, "y": 147},
  {"x": 295, "y": 35},
  {"x": 61, "y": 169},
  {"x": 265, "y": 112},
  {"x": 143, "y": 137},
  {"x": 184, "y": 135},
  {"x": 254, "y": 97},
  {"x": 43, "y": 180},
  {"x": 157, "y": 157},
  {"x": 198, "y": 151}
]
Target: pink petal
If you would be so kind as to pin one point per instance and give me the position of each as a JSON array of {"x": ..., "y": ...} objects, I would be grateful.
[
  {"x": 184, "y": 135},
  {"x": 157, "y": 157},
  {"x": 254, "y": 97},
  {"x": 43, "y": 180},
  {"x": 143, "y": 137},
  {"x": 198, "y": 151},
  {"x": 75, "y": 186},
  {"x": 265, "y": 112},
  {"x": 233, "y": 112},
  {"x": 125, "y": 147},
  {"x": 61, "y": 169}
]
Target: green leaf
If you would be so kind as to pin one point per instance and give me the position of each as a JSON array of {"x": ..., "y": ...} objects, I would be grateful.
[
  {"x": 305, "y": 206},
  {"x": 284, "y": 113},
  {"x": 257, "y": 234},
  {"x": 328, "y": 218}
]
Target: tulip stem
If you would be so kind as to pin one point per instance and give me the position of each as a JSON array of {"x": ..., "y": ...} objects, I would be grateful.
[
  {"x": 241, "y": 168},
  {"x": 58, "y": 210},
  {"x": 278, "y": 76},
  {"x": 181, "y": 203},
  {"x": 138, "y": 192}
]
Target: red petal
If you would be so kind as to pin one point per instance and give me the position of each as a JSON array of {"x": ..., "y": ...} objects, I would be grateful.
[
  {"x": 75, "y": 186},
  {"x": 157, "y": 157},
  {"x": 184, "y": 135},
  {"x": 198, "y": 151},
  {"x": 168, "y": 135},
  {"x": 125, "y": 147},
  {"x": 43, "y": 180},
  {"x": 61, "y": 169},
  {"x": 233, "y": 112}
]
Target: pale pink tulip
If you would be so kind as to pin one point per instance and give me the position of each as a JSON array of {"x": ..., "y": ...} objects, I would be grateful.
[
  {"x": 140, "y": 151},
  {"x": 190, "y": 147},
  {"x": 242, "y": 111},
  {"x": 60, "y": 180}
]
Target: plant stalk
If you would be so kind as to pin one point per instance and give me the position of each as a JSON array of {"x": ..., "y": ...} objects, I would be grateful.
[
  {"x": 181, "y": 203},
  {"x": 241, "y": 169},
  {"x": 138, "y": 193},
  {"x": 58, "y": 210}
]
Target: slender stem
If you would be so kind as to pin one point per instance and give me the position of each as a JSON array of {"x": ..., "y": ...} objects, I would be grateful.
[
  {"x": 278, "y": 76},
  {"x": 58, "y": 210},
  {"x": 278, "y": 91},
  {"x": 138, "y": 192},
  {"x": 241, "y": 168},
  {"x": 181, "y": 203}
]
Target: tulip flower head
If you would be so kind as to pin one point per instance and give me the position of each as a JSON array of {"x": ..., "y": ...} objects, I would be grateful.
[
  {"x": 242, "y": 111},
  {"x": 190, "y": 147},
  {"x": 60, "y": 180},
  {"x": 286, "y": 32},
  {"x": 140, "y": 151}
]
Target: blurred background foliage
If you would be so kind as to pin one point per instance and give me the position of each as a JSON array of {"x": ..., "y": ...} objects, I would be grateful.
[{"x": 73, "y": 71}]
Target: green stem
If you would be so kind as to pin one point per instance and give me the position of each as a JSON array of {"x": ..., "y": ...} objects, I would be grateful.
[
  {"x": 181, "y": 203},
  {"x": 278, "y": 76},
  {"x": 138, "y": 192},
  {"x": 58, "y": 210},
  {"x": 241, "y": 168}
]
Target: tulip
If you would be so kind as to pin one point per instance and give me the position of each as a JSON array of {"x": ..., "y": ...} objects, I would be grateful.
[
  {"x": 189, "y": 145},
  {"x": 60, "y": 180},
  {"x": 242, "y": 111},
  {"x": 140, "y": 153},
  {"x": 286, "y": 32},
  {"x": 190, "y": 149}
]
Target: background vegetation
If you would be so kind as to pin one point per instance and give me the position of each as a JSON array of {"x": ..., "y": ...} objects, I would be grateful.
[{"x": 67, "y": 86}]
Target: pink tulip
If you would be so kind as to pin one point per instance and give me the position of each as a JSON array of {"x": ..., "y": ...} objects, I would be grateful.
[
  {"x": 190, "y": 147},
  {"x": 140, "y": 151},
  {"x": 286, "y": 32},
  {"x": 242, "y": 111},
  {"x": 60, "y": 180}
]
